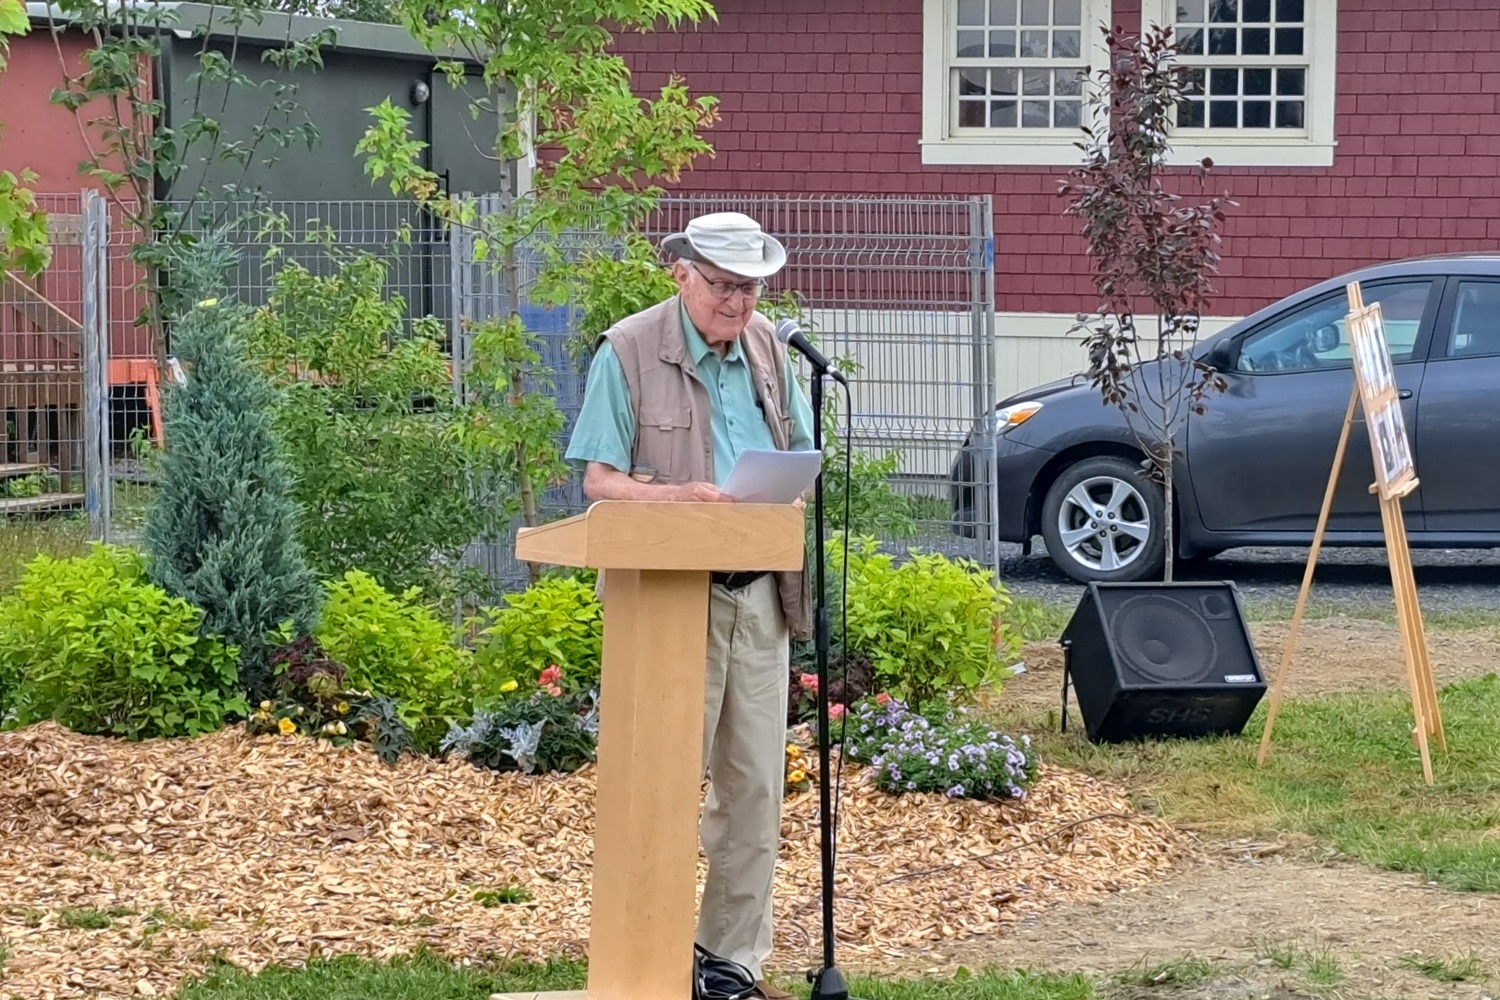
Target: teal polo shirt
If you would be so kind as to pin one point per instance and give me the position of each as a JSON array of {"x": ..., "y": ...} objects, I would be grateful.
[{"x": 605, "y": 431}]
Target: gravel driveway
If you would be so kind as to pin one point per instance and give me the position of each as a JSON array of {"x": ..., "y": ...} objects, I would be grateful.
[{"x": 1351, "y": 580}]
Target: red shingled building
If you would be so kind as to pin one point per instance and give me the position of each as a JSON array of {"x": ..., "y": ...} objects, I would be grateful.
[{"x": 1348, "y": 132}]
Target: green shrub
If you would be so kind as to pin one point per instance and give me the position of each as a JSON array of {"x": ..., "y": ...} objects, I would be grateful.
[
  {"x": 557, "y": 621},
  {"x": 541, "y": 733},
  {"x": 930, "y": 626},
  {"x": 392, "y": 479},
  {"x": 395, "y": 646},
  {"x": 89, "y": 643}
]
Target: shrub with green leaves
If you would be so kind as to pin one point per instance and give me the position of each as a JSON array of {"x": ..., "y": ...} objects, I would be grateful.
[
  {"x": 929, "y": 625},
  {"x": 394, "y": 646},
  {"x": 392, "y": 478},
  {"x": 540, "y": 733},
  {"x": 89, "y": 643},
  {"x": 557, "y": 621}
]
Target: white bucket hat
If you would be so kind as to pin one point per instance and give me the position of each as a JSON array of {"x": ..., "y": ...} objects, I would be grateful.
[{"x": 729, "y": 241}]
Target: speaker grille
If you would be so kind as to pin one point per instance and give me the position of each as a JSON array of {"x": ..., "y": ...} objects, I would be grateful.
[{"x": 1161, "y": 639}]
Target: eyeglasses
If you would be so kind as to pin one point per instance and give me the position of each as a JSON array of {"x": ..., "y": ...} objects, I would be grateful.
[{"x": 726, "y": 289}]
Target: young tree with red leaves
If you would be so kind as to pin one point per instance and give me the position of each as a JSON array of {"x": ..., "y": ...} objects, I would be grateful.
[{"x": 1149, "y": 248}]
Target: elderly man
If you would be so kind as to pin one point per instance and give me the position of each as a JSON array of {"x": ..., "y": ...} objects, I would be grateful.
[{"x": 675, "y": 393}]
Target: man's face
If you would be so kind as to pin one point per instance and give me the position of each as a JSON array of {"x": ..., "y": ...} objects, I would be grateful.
[{"x": 719, "y": 303}]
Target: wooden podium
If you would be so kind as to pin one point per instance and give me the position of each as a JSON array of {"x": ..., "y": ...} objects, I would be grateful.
[{"x": 657, "y": 558}]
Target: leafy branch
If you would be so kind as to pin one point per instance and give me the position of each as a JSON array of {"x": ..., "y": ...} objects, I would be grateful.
[{"x": 23, "y": 226}]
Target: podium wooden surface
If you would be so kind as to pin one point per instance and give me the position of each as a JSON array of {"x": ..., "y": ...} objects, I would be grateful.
[{"x": 656, "y": 559}]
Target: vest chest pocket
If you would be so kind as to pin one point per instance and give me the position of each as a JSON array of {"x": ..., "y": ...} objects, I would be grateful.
[{"x": 667, "y": 443}]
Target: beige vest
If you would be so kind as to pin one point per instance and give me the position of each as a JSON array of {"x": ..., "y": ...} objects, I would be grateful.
[{"x": 672, "y": 439}]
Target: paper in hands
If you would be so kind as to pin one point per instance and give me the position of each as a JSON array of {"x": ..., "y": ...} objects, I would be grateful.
[{"x": 761, "y": 476}]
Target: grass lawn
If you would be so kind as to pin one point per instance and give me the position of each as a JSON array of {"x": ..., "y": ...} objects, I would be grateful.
[
  {"x": 424, "y": 977},
  {"x": 1342, "y": 768}
]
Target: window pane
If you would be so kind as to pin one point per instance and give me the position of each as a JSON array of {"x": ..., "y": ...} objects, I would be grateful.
[
  {"x": 1003, "y": 81},
  {"x": 1034, "y": 11},
  {"x": 1067, "y": 114},
  {"x": 1255, "y": 41},
  {"x": 1288, "y": 41},
  {"x": 970, "y": 81},
  {"x": 1257, "y": 81},
  {"x": 1190, "y": 11},
  {"x": 1221, "y": 41},
  {"x": 1190, "y": 42},
  {"x": 1002, "y": 114},
  {"x": 1195, "y": 81},
  {"x": 1257, "y": 11},
  {"x": 1034, "y": 44},
  {"x": 1288, "y": 10},
  {"x": 1289, "y": 114},
  {"x": 1285, "y": 345},
  {"x": 1224, "y": 81},
  {"x": 1002, "y": 44},
  {"x": 970, "y": 11},
  {"x": 1223, "y": 114},
  {"x": 1067, "y": 81},
  {"x": 1067, "y": 12},
  {"x": 1002, "y": 11},
  {"x": 1476, "y": 320},
  {"x": 1291, "y": 82},
  {"x": 1190, "y": 114},
  {"x": 971, "y": 114},
  {"x": 971, "y": 45},
  {"x": 1065, "y": 44},
  {"x": 1257, "y": 114},
  {"x": 1036, "y": 114},
  {"x": 1036, "y": 81},
  {"x": 1223, "y": 10}
]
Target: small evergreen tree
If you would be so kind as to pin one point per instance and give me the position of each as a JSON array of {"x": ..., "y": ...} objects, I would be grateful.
[{"x": 222, "y": 530}]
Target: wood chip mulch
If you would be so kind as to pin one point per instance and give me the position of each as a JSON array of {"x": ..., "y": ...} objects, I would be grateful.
[{"x": 273, "y": 849}]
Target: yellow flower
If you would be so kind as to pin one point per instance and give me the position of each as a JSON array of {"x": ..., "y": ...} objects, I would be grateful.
[
  {"x": 794, "y": 752},
  {"x": 287, "y": 727},
  {"x": 797, "y": 777},
  {"x": 340, "y": 728},
  {"x": 266, "y": 705},
  {"x": 508, "y": 687},
  {"x": 342, "y": 708}
]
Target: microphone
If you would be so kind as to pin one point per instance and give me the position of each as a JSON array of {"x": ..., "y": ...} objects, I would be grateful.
[{"x": 789, "y": 333}]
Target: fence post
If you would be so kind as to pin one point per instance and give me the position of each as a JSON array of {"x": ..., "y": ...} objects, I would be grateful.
[
  {"x": 991, "y": 380},
  {"x": 95, "y": 334}
]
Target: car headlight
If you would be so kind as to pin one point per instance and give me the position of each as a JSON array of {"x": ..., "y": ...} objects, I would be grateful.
[{"x": 1015, "y": 415}]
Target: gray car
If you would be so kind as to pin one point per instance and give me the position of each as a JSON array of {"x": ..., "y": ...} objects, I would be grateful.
[{"x": 1254, "y": 466}]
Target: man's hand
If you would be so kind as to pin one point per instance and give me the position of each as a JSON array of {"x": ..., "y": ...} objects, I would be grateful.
[
  {"x": 799, "y": 503},
  {"x": 701, "y": 493}
]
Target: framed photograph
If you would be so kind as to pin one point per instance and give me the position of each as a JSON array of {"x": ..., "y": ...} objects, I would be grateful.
[
  {"x": 1372, "y": 355},
  {"x": 1393, "y": 461}
]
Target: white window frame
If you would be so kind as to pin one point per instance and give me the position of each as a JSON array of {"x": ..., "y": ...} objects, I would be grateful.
[
  {"x": 1010, "y": 147},
  {"x": 1312, "y": 146}
]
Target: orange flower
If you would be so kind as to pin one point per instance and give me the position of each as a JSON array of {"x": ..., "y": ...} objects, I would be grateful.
[{"x": 287, "y": 727}]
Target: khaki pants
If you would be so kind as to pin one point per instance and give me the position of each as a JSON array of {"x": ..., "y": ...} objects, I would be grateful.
[{"x": 744, "y": 747}]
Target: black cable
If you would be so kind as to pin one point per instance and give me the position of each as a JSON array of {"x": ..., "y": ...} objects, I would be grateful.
[{"x": 838, "y": 786}]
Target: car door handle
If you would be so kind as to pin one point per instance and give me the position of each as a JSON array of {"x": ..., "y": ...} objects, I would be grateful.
[{"x": 1404, "y": 394}]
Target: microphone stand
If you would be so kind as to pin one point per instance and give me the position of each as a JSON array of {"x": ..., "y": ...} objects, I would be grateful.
[{"x": 828, "y": 983}]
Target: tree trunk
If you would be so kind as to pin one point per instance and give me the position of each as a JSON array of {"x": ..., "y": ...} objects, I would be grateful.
[
  {"x": 529, "y": 512},
  {"x": 1168, "y": 534}
]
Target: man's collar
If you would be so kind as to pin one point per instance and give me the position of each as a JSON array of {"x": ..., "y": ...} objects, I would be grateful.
[{"x": 697, "y": 347}]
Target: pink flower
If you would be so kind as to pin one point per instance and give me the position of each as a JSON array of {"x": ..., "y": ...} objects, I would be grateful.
[
  {"x": 553, "y": 690},
  {"x": 882, "y": 699},
  {"x": 809, "y": 682},
  {"x": 550, "y": 676},
  {"x": 836, "y": 711}
]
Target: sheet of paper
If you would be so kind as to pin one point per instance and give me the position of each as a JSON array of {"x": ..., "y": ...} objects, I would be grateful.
[{"x": 773, "y": 476}]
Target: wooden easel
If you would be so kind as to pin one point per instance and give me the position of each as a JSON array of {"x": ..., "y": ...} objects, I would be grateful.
[{"x": 1395, "y": 479}]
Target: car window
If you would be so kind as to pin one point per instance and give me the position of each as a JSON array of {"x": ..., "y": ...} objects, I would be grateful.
[
  {"x": 1316, "y": 336},
  {"x": 1475, "y": 330}
]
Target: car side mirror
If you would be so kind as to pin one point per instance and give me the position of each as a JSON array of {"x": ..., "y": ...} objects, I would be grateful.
[
  {"x": 1220, "y": 356},
  {"x": 1324, "y": 339}
]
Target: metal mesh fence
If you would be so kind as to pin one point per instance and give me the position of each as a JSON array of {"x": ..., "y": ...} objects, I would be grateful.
[{"x": 902, "y": 287}]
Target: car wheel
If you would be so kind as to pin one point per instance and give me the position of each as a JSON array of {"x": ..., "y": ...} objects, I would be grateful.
[{"x": 1102, "y": 520}]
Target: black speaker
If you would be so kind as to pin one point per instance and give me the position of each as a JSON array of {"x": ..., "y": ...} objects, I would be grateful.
[{"x": 1161, "y": 659}]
